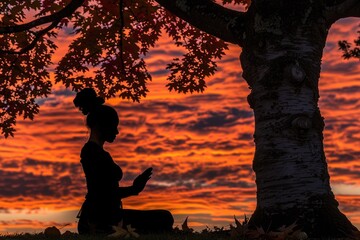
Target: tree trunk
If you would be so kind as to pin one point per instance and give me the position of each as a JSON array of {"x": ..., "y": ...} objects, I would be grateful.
[
  {"x": 281, "y": 61},
  {"x": 282, "y": 43}
]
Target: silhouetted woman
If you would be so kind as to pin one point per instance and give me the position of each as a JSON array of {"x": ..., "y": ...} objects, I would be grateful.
[{"x": 102, "y": 207}]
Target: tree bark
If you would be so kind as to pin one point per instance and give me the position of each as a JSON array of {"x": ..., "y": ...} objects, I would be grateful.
[
  {"x": 282, "y": 45},
  {"x": 346, "y": 8},
  {"x": 281, "y": 61}
]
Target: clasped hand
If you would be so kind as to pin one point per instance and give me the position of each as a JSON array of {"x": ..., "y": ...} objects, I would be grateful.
[{"x": 141, "y": 180}]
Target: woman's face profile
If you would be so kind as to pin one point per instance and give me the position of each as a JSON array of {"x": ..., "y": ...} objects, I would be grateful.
[{"x": 110, "y": 131}]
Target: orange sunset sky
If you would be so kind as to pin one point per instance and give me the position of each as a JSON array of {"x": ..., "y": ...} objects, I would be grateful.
[{"x": 200, "y": 145}]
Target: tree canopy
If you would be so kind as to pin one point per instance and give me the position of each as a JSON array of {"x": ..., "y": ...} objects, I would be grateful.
[
  {"x": 112, "y": 39},
  {"x": 108, "y": 53}
]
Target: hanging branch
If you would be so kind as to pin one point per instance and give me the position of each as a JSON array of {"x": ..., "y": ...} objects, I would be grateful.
[
  {"x": 54, "y": 19},
  {"x": 121, "y": 47},
  {"x": 38, "y": 36},
  {"x": 65, "y": 12}
]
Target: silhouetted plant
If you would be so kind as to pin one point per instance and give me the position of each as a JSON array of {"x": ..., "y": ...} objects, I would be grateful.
[{"x": 348, "y": 50}]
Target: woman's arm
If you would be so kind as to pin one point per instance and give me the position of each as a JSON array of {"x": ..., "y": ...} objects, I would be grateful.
[
  {"x": 125, "y": 192},
  {"x": 138, "y": 185}
]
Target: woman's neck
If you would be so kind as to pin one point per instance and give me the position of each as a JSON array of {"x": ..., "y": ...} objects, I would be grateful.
[{"x": 94, "y": 137}]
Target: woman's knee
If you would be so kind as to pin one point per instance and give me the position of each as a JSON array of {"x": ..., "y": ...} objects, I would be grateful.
[{"x": 167, "y": 217}]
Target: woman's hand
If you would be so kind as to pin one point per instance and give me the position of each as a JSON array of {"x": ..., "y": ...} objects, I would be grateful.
[{"x": 141, "y": 180}]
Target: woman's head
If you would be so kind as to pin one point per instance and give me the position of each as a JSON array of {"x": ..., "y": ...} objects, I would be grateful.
[{"x": 100, "y": 118}]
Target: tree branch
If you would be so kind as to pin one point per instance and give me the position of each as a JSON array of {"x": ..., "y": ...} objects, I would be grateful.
[
  {"x": 209, "y": 17},
  {"x": 38, "y": 35},
  {"x": 348, "y": 8},
  {"x": 65, "y": 12}
]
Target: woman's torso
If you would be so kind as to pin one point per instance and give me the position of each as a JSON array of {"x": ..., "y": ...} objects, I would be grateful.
[{"x": 102, "y": 179}]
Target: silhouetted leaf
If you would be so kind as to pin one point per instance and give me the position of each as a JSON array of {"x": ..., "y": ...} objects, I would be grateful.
[
  {"x": 96, "y": 57},
  {"x": 348, "y": 51},
  {"x": 185, "y": 226}
]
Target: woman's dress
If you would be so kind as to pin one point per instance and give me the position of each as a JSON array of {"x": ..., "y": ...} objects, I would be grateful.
[{"x": 102, "y": 207}]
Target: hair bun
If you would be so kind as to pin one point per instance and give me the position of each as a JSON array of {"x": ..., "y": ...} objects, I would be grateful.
[{"x": 87, "y": 100}]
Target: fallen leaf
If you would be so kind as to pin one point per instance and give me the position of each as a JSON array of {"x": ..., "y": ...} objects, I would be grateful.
[
  {"x": 287, "y": 230},
  {"x": 132, "y": 231},
  {"x": 119, "y": 231},
  {"x": 299, "y": 235}
]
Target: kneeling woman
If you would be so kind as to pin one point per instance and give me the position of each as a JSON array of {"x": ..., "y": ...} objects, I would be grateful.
[{"x": 102, "y": 208}]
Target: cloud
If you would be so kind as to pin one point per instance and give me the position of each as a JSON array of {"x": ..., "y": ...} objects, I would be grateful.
[
  {"x": 179, "y": 108},
  {"x": 34, "y": 226},
  {"x": 41, "y": 178},
  {"x": 201, "y": 145},
  {"x": 195, "y": 175},
  {"x": 64, "y": 92},
  {"x": 23, "y": 184},
  {"x": 344, "y": 90},
  {"x": 333, "y": 100},
  {"x": 347, "y": 189},
  {"x": 220, "y": 119},
  {"x": 152, "y": 151},
  {"x": 9, "y": 164},
  {"x": 345, "y": 172}
]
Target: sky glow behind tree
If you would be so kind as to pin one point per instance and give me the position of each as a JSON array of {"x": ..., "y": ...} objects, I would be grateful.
[{"x": 200, "y": 146}]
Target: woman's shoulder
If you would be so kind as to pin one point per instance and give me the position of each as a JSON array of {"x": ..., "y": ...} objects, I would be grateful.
[{"x": 90, "y": 150}]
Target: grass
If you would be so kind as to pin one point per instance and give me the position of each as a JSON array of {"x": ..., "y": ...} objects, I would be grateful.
[
  {"x": 167, "y": 236},
  {"x": 186, "y": 233}
]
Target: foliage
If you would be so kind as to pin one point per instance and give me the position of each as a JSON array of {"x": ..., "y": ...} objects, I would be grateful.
[
  {"x": 240, "y": 231},
  {"x": 348, "y": 51},
  {"x": 121, "y": 232},
  {"x": 111, "y": 41},
  {"x": 160, "y": 236}
]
